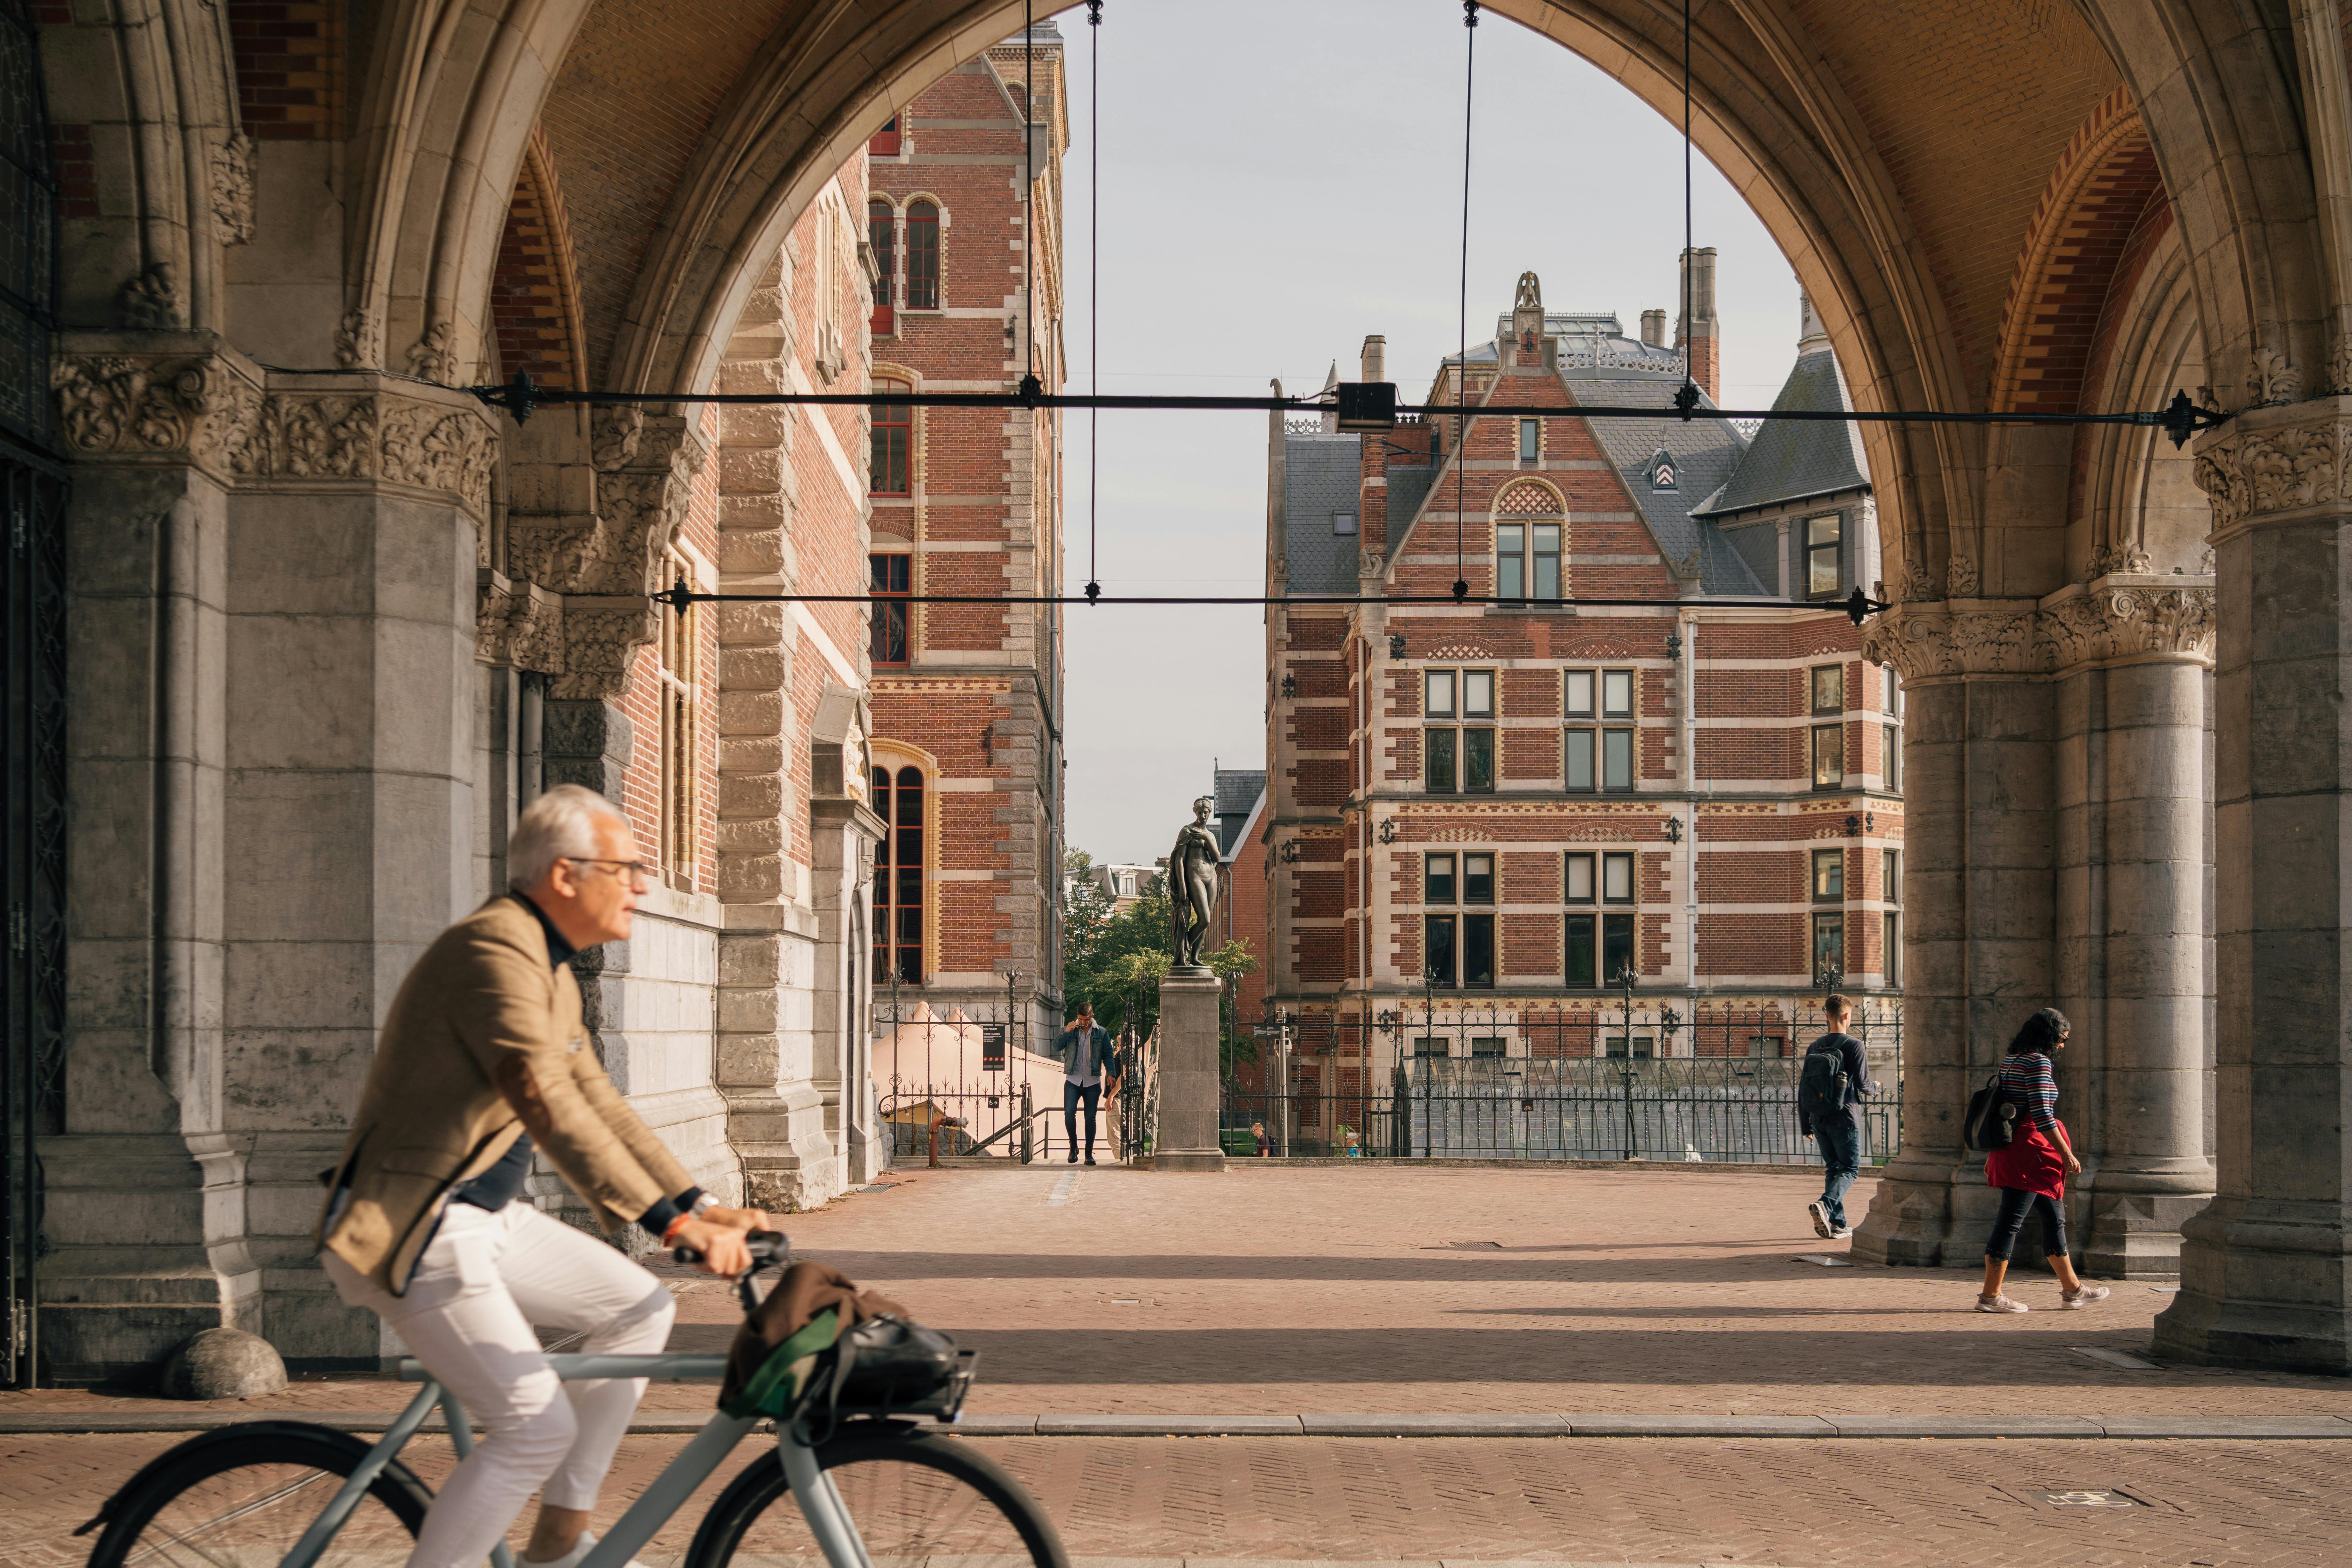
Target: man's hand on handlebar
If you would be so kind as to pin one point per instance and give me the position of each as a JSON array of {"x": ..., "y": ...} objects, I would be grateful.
[{"x": 719, "y": 1248}]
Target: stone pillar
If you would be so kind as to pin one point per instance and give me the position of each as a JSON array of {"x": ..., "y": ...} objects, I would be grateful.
[
  {"x": 2131, "y": 912},
  {"x": 1978, "y": 884},
  {"x": 1188, "y": 1075},
  {"x": 273, "y": 629},
  {"x": 2264, "y": 1271}
]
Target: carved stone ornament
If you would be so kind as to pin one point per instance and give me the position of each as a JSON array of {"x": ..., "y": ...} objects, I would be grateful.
[
  {"x": 2339, "y": 367},
  {"x": 151, "y": 301},
  {"x": 2269, "y": 378},
  {"x": 598, "y": 647},
  {"x": 232, "y": 188},
  {"x": 2125, "y": 558},
  {"x": 1923, "y": 640},
  {"x": 429, "y": 357},
  {"x": 1368, "y": 564},
  {"x": 1960, "y": 577},
  {"x": 517, "y": 624},
  {"x": 359, "y": 341},
  {"x": 207, "y": 408},
  {"x": 2115, "y": 622},
  {"x": 2259, "y": 467},
  {"x": 614, "y": 432},
  {"x": 2103, "y": 621}
]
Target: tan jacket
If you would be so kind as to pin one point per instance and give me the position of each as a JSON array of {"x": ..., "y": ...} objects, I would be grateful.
[{"x": 485, "y": 1042}]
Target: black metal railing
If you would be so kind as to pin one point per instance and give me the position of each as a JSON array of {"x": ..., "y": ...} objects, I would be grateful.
[{"x": 1548, "y": 1082}]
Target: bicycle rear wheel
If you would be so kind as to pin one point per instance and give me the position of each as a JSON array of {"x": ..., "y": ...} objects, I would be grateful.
[
  {"x": 241, "y": 1498},
  {"x": 917, "y": 1498}
]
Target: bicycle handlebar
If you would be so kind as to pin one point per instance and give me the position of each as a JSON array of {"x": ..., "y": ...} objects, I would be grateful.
[{"x": 766, "y": 1246}]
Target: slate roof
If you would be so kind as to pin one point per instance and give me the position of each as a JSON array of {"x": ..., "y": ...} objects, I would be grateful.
[
  {"x": 1237, "y": 790},
  {"x": 1322, "y": 476},
  {"x": 1793, "y": 460}
]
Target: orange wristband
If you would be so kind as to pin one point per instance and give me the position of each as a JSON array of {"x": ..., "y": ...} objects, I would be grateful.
[{"x": 673, "y": 1229}]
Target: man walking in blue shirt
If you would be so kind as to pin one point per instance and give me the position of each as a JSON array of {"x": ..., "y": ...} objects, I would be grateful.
[{"x": 1087, "y": 1065}]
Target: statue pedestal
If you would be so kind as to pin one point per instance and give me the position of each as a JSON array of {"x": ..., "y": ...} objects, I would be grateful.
[{"x": 1188, "y": 1075}]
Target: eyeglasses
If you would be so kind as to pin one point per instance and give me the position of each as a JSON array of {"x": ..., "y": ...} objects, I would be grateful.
[{"x": 638, "y": 872}]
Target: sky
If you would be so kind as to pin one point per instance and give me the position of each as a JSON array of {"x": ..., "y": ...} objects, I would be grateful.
[{"x": 1278, "y": 179}]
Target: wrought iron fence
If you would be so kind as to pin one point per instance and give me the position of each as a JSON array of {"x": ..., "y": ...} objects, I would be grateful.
[
  {"x": 978, "y": 1080},
  {"x": 1545, "y": 1082}
]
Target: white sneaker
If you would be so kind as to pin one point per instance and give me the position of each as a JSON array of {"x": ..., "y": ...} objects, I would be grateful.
[
  {"x": 1819, "y": 1212},
  {"x": 1844, "y": 1232},
  {"x": 571, "y": 1559},
  {"x": 2001, "y": 1304},
  {"x": 2085, "y": 1297}
]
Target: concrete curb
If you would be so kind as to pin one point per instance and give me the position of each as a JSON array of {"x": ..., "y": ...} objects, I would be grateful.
[{"x": 659, "y": 1423}]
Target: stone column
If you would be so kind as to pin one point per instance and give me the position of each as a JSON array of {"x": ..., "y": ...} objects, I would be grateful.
[
  {"x": 1187, "y": 1137},
  {"x": 2131, "y": 805},
  {"x": 273, "y": 629},
  {"x": 2263, "y": 1270},
  {"x": 1977, "y": 827}
]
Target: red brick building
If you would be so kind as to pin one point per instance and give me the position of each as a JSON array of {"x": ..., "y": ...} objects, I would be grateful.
[
  {"x": 1500, "y": 807},
  {"x": 966, "y": 697}
]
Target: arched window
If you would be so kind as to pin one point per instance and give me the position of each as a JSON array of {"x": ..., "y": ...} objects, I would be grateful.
[
  {"x": 922, "y": 257},
  {"x": 879, "y": 233},
  {"x": 892, "y": 472},
  {"x": 898, "y": 877}
]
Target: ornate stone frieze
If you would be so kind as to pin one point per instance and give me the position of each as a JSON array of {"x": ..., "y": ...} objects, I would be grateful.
[
  {"x": 2121, "y": 557},
  {"x": 2084, "y": 624},
  {"x": 205, "y": 409},
  {"x": 232, "y": 189},
  {"x": 599, "y": 643},
  {"x": 1983, "y": 637},
  {"x": 2269, "y": 461},
  {"x": 2108, "y": 620},
  {"x": 518, "y": 624},
  {"x": 2270, "y": 377},
  {"x": 430, "y": 356}
]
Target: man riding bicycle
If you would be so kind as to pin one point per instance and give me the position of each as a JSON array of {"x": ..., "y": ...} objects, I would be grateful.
[{"x": 484, "y": 1059}]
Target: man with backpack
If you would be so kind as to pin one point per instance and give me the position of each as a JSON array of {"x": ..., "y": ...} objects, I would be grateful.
[{"x": 1831, "y": 1088}]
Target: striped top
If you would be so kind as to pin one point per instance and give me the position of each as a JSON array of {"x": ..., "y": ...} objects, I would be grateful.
[{"x": 2027, "y": 1081}]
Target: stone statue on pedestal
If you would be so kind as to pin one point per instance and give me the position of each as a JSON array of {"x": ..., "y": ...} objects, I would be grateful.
[{"x": 1193, "y": 888}]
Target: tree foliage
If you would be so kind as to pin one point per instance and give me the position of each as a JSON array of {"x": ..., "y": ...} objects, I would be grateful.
[{"x": 1116, "y": 960}]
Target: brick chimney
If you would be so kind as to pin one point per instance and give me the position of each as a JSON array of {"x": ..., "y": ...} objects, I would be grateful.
[
  {"x": 1654, "y": 328},
  {"x": 1694, "y": 333}
]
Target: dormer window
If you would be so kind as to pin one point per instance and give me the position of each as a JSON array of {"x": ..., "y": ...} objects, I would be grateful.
[{"x": 1661, "y": 470}]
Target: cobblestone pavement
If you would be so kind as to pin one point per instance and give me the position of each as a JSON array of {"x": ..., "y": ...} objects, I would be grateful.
[
  {"x": 1813, "y": 1504},
  {"x": 1374, "y": 1289}
]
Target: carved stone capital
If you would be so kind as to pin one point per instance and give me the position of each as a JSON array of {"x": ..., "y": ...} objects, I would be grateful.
[
  {"x": 2130, "y": 617},
  {"x": 616, "y": 548},
  {"x": 2276, "y": 460},
  {"x": 518, "y": 624},
  {"x": 217, "y": 411},
  {"x": 1958, "y": 637},
  {"x": 601, "y": 638}
]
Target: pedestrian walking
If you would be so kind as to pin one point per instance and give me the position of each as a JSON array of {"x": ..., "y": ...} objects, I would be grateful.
[
  {"x": 1264, "y": 1150},
  {"x": 2032, "y": 1168},
  {"x": 1831, "y": 1088},
  {"x": 1089, "y": 1071}
]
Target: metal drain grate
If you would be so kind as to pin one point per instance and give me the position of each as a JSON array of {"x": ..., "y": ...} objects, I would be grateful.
[{"x": 2089, "y": 1496}]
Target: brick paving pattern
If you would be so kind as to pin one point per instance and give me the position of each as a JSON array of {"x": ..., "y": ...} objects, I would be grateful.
[{"x": 1326, "y": 1290}]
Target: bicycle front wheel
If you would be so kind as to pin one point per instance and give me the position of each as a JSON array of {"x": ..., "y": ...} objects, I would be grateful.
[
  {"x": 241, "y": 1498},
  {"x": 916, "y": 1498}
]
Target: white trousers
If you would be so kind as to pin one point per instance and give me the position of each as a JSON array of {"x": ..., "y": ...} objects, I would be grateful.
[{"x": 482, "y": 1283}]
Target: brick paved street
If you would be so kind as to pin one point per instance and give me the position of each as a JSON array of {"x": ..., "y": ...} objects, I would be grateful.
[{"x": 1333, "y": 1290}]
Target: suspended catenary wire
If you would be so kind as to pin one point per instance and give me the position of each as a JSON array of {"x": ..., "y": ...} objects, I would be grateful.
[
  {"x": 1359, "y": 407},
  {"x": 1093, "y": 287},
  {"x": 1462, "y": 365}
]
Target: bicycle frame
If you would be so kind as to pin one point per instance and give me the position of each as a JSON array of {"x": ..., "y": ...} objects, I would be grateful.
[{"x": 820, "y": 1501}]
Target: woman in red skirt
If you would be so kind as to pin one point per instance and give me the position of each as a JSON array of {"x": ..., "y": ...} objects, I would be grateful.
[{"x": 2031, "y": 1171}]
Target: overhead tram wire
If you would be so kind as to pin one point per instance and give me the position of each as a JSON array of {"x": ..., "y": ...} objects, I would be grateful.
[
  {"x": 1093, "y": 287},
  {"x": 1462, "y": 364}
]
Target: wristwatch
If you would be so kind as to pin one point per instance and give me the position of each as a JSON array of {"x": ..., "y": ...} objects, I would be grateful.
[{"x": 703, "y": 1203}]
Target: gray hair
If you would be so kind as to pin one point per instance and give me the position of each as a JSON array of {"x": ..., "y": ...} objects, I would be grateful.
[{"x": 558, "y": 825}]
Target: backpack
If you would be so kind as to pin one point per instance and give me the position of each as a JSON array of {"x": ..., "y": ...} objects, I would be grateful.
[
  {"x": 1991, "y": 1121},
  {"x": 1821, "y": 1085}
]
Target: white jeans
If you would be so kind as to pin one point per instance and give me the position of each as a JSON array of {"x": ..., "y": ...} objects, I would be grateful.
[{"x": 482, "y": 1283}]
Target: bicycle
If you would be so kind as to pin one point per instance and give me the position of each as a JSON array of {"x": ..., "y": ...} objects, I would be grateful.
[{"x": 877, "y": 1488}]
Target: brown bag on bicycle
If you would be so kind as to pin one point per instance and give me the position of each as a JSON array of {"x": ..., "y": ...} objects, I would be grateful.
[{"x": 811, "y": 1307}]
